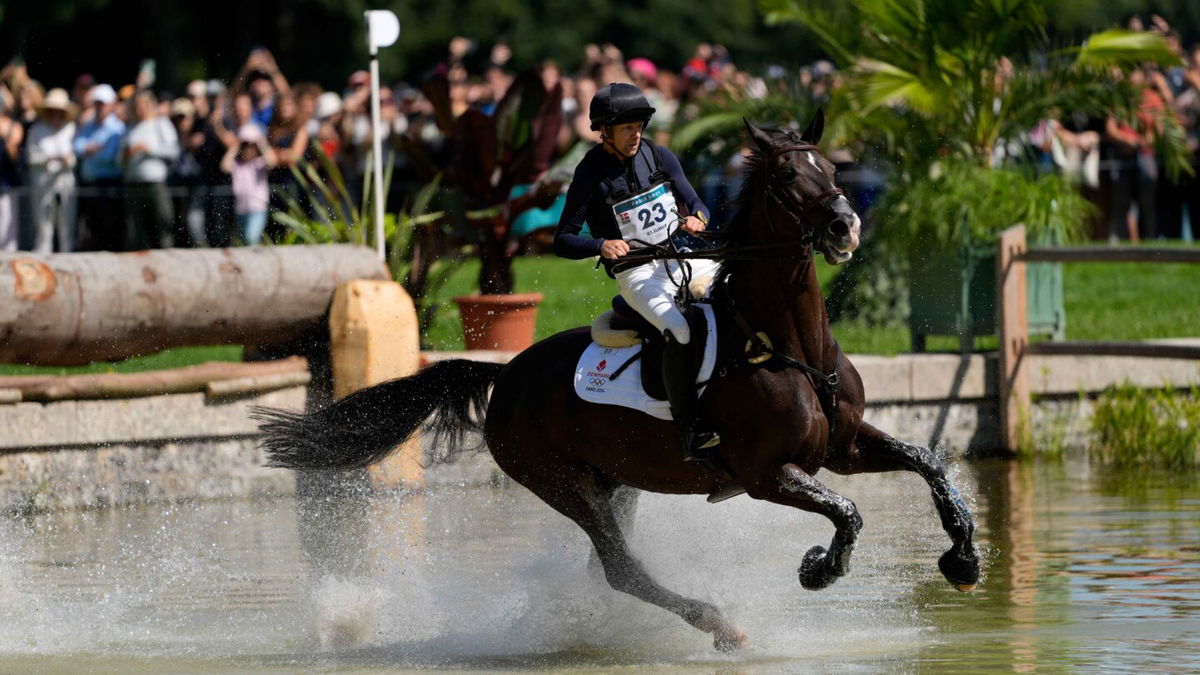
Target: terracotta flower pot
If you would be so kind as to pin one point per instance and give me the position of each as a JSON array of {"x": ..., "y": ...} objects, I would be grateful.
[{"x": 499, "y": 321}]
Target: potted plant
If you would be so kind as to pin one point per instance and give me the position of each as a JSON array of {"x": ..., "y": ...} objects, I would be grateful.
[
  {"x": 946, "y": 224},
  {"x": 943, "y": 89},
  {"x": 496, "y": 163}
]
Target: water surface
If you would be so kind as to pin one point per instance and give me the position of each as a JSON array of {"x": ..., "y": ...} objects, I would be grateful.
[{"x": 1084, "y": 572}]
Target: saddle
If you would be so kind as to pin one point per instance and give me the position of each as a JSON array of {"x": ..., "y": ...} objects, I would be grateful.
[{"x": 631, "y": 328}]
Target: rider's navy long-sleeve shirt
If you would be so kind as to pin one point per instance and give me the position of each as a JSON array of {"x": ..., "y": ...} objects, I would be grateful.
[{"x": 587, "y": 198}]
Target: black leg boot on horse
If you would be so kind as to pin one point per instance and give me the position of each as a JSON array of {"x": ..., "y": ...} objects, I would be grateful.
[{"x": 679, "y": 380}]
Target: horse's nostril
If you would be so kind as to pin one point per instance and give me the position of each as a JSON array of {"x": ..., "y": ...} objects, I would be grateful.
[{"x": 839, "y": 228}]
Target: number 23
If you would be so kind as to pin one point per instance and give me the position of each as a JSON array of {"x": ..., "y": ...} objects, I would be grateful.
[{"x": 660, "y": 214}]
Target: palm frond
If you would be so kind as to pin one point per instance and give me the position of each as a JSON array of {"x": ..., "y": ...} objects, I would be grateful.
[
  {"x": 705, "y": 127},
  {"x": 878, "y": 83},
  {"x": 1124, "y": 48}
]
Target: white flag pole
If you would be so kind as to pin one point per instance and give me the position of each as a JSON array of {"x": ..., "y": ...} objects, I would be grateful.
[
  {"x": 382, "y": 30},
  {"x": 376, "y": 154}
]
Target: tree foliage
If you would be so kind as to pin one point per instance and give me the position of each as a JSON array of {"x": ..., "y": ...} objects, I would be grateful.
[{"x": 932, "y": 78}]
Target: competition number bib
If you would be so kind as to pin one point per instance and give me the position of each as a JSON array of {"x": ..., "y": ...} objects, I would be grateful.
[{"x": 646, "y": 216}]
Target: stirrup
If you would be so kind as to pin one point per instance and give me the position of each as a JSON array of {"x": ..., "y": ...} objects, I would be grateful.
[{"x": 728, "y": 491}]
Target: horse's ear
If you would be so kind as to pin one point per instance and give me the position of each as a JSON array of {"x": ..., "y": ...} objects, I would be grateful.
[
  {"x": 761, "y": 138},
  {"x": 815, "y": 128}
]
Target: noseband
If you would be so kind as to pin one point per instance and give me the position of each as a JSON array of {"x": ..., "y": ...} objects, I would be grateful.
[{"x": 797, "y": 211}]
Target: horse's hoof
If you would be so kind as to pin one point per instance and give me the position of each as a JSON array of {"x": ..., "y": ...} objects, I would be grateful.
[
  {"x": 814, "y": 575},
  {"x": 961, "y": 571},
  {"x": 731, "y": 640}
]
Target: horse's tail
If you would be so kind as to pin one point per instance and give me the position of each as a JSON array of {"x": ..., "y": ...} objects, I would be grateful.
[{"x": 367, "y": 425}]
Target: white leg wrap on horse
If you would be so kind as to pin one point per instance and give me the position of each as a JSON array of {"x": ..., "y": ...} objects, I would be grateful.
[{"x": 648, "y": 289}]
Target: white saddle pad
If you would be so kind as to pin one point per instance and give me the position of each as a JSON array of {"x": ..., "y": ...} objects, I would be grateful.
[{"x": 592, "y": 374}]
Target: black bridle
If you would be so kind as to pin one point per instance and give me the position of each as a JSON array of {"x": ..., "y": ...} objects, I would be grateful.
[{"x": 799, "y": 211}]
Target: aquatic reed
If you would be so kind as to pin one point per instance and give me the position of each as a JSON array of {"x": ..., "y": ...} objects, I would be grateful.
[{"x": 1147, "y": 427}]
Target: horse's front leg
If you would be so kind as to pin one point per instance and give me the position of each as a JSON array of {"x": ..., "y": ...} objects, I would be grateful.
[
  {"x": 796, "y": 488},
  {"x": 875, "y": 451}
]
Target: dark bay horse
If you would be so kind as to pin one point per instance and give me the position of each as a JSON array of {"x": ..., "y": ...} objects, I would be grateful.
[{"x": 780, "y": 420}]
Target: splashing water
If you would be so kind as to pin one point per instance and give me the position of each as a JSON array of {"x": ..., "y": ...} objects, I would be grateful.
[{"x": 491, "y": 577}]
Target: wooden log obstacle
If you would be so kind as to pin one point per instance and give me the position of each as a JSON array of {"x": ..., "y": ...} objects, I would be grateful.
[{"x": 74, "y": 309}]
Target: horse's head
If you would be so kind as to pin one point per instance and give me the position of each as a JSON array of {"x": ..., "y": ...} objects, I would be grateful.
[{"x": 802, "y": 201}]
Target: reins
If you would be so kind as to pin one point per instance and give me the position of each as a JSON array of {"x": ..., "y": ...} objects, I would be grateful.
[
  {"x": 745, "y": 252},
  {"x": 758, "y": 346}
]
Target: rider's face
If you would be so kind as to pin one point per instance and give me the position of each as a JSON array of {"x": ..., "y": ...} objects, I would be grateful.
[{"x": 626, "y": 137}]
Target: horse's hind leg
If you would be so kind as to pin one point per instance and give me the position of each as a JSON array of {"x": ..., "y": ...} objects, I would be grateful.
[
  {"x": 798, "y": 489},
  {"x": 580, "y": 495},
  {"x": 623, "y": 500},
  {"x": 876, "y": 451}
]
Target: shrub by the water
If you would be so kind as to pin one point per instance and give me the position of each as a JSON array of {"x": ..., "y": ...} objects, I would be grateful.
[{"x": 1147, "y": 427}]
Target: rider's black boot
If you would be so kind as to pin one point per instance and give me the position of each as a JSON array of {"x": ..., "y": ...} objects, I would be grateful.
[{"x": 681, "y": 392}]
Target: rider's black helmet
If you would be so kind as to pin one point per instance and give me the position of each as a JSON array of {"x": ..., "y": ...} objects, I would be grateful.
[{"x": 618, "y": 103}]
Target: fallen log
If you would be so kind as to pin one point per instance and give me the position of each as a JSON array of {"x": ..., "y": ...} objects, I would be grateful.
[
  {"x": 77, "y": 308},
  {"x": 46, "y": 388},
  {"x": 241, "y": 386}
]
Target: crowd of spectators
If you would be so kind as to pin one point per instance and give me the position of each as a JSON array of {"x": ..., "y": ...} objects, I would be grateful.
[
  {"x": 126, "y": 167},
  {"x": 133, "y": 166},
  {"x": 1119, "y": 164}
]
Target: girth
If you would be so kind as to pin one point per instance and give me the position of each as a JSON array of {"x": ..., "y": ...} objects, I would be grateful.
[
  {"x": 652, "y": 345},
  {"x": 759, "y": 350}
]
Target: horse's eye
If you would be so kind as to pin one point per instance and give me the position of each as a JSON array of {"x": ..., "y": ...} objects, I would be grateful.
[{"x": 788, "y": 173}]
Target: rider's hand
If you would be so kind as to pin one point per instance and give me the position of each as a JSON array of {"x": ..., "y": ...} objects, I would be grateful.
[
  {"x": 614, "y": 248},
  {"x": 692, "y": 225}
]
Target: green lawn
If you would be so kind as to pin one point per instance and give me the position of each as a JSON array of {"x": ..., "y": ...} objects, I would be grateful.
[
  {"x": 1104, "y": 301},
  {"x": 1131, "y": 301},
  {"x": 169, "y": 358}
]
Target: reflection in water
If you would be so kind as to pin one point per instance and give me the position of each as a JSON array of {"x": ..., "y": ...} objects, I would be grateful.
[
  {"x": 1088, "y": 573},
  {"x": 1079, "y": 576}
]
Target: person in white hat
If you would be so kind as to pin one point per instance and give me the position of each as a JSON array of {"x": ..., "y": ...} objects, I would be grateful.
[
  {"x": 51, "y": 163},
  {"x": 98, "y": 147},
  {"x": 328, "y": 119}
]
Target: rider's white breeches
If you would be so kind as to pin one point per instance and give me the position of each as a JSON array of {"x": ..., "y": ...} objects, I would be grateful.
[{"x": 648, "y": 289}]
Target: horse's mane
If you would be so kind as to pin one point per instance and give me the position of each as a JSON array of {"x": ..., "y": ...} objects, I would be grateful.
[{"x": 743, "y": 203}]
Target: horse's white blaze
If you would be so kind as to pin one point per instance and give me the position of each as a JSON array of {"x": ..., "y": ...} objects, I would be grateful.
[{"x": 812, "y": 159}]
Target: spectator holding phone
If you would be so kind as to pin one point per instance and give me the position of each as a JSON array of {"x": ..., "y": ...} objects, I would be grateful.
[{"x": 248, "y": 163}]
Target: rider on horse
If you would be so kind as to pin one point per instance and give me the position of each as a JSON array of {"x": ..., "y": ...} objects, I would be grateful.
[{"x": 631, "y": 191}]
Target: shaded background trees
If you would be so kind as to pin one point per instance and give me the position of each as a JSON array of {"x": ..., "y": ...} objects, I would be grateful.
[{"x": 322, "y": 40}]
